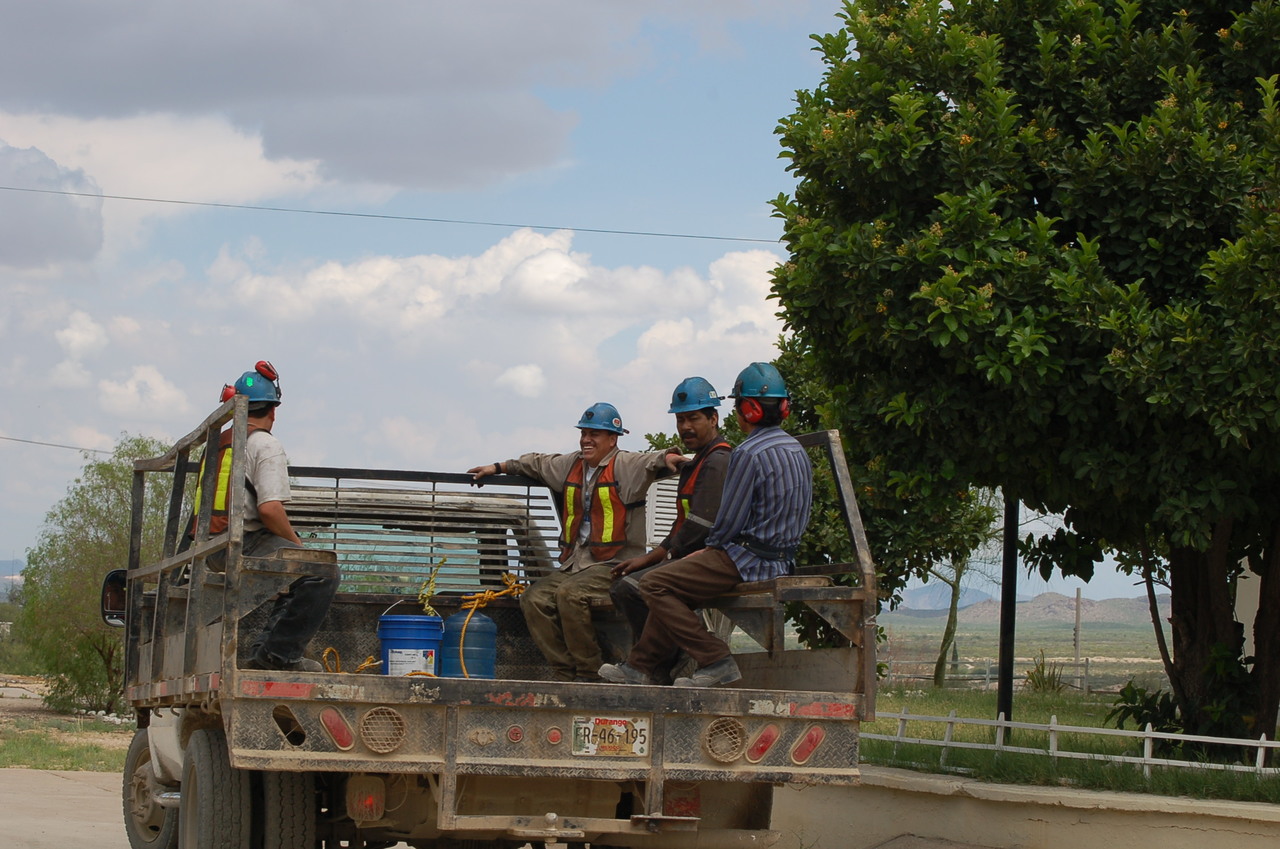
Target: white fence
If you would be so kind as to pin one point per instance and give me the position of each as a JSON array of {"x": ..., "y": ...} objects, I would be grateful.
[{"x": 1055, "y": 733}]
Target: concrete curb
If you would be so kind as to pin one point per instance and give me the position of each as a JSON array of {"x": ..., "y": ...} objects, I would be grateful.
[{"x": 891, "y": 803}]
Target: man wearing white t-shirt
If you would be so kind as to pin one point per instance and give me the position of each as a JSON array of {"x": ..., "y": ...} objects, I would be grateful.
[{"x": 297, "y": 613}]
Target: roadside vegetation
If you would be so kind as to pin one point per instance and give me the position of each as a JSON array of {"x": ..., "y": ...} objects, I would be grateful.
[{"x": 63, "y": 743}]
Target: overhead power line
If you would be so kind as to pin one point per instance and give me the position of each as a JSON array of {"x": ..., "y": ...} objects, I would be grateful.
[
  {"x": 385, "y": 217},
  {"x": 53, "y": 445}
]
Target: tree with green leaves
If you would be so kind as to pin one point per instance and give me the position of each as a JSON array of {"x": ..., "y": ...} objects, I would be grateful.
[
  {"x": 84, "y": 536},
  {"x": 1033, "y": 246}
]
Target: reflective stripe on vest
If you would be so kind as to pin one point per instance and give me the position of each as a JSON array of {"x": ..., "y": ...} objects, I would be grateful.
[
  {"x": 684, "y": 499},
  {"x": 218, "y": 518},
  {"x": 608, "y": 512}
]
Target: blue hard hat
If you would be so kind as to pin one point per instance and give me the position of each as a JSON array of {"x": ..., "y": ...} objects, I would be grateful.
[
  {"x": 602, "y": 416},
  {"x": 759, "y": 380},
  {"x": 693, "y": 393},
  {"x": 258, "y": 387}
]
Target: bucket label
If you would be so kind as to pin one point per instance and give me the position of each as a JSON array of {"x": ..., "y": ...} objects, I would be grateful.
[{"x": 404, "y": 661}]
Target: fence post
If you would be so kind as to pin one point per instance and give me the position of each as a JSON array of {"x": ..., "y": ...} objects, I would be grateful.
[
  {"x": 1147, "y": 742},
  {"x": 1262, "y": 754},
  {"x": 902, "y": 731},
  {"x": 946, "y": 737},
  {"x": 1053, "y": 738}
]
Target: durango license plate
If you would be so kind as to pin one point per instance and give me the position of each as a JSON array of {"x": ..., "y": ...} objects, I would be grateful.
[{"x": 611, "y": 736}]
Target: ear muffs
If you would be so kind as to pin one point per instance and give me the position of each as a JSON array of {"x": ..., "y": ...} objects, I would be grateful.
[
  {"x": 228, "y": 392},
  {"x": 752, "y": 412},
  {"x": 264, "y": 368}
]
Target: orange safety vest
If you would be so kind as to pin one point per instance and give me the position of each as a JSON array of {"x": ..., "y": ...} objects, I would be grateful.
[
  {"x": 684, "y": 499},
  {"x": 608, "y": 513},
  {"x": 218, "y": 519}
]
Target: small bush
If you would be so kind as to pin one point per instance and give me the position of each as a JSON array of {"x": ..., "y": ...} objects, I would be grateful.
[{"x": 1045, "y": 677}]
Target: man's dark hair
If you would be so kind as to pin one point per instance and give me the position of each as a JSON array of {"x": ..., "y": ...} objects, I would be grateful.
[{"x": 261, "y": 408}]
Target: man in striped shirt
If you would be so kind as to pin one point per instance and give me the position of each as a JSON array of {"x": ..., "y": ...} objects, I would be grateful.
[{"x": 763, "y": 512}]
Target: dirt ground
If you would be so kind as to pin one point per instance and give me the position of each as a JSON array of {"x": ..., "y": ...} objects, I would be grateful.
[{"x": 21, "y": 703}]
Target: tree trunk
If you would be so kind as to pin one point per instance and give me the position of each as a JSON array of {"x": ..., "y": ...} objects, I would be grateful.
[
  {"x": 1203, "y": 616},
  {"x": 948, "y": 635},
  {"x": 1266, "y": 640}
]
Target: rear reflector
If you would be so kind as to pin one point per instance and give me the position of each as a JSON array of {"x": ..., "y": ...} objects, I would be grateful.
[
  {"x": 337, "y": 728},
  {"x": 763, "y": 743},
  {"x": 806, "y": 745}
]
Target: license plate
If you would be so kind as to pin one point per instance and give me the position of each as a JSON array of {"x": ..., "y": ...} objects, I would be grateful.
[{"x": 611, "y": 736}]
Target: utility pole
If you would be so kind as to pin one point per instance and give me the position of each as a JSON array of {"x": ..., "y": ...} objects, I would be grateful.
[{"x": 1008, "y": 608}]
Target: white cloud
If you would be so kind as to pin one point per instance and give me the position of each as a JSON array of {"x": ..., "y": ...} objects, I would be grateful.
[
  {"x": 525, "y": 380},
  {"x": 145, "y": 394},
  {"x": 81, "y": 336},
  {"x": 37, "y": 229},
  {"x": 153, "y": 156}
]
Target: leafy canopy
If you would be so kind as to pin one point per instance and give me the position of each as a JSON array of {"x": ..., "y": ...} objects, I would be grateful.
[
  {"x": 1034, "y": 246},
  {"x": 84, "y": 536}
]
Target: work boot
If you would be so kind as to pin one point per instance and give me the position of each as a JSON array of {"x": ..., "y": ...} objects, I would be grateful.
[
  {"x": 621, "y": 673},
  {"x": 721, "y": 672}
]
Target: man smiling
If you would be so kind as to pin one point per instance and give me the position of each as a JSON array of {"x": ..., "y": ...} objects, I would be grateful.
[{"x": 602, "y": 511}]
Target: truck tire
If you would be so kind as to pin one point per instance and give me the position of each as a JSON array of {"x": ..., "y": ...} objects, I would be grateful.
[
  {"x": 215, "y": 812},
  {"x": 147, "y": 825},
  {"x": 288, "y": 808}
]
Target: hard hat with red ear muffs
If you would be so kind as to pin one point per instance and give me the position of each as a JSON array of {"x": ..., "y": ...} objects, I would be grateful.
[
  {"x": 262, "y": 385},
  {"x": 759, "y": 380}
]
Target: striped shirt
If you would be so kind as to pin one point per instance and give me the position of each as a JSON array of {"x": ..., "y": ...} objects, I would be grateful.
[{"x": 767, "y": 492}]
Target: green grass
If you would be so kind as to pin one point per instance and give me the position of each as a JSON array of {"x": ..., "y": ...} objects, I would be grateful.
[
  {"x": 1017, "y": 768},
  {"x": 41, "y": 744}
]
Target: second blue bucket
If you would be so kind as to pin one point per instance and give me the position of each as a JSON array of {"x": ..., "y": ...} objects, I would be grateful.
[
  {"x": 477, "y": 648},
  {"x": 410, "y": 644}
]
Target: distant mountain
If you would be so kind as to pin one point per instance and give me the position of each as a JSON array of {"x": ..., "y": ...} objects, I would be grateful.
[
  {"x": 1046, "y": 607},
  {"x": 1055, "y": 607},
  {"x": 937, "y": 596}
]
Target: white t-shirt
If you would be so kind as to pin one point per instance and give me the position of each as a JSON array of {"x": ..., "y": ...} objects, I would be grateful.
[{"x": 267, "y": 468}]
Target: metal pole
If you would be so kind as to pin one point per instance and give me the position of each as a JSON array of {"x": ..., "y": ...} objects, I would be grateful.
[
  {"x": 1079, "y": 679},
  {"x": 1008, "y": 604}
]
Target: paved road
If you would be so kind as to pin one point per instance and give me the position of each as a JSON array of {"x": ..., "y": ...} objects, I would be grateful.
[{"x": 49, "y": 809}]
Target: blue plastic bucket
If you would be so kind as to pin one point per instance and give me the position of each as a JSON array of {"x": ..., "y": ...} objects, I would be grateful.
[
  {"x": 409, "y": 644},
  {"x": 477, "y": 648}
]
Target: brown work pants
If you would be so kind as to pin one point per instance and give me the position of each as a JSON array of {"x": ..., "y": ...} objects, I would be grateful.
[
  {"x": 673, "y": 592},
  {"x": 557, "y": 609}
]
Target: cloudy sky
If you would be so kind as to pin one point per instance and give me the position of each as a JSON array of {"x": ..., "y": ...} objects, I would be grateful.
[{"x": 401, "y": 343}]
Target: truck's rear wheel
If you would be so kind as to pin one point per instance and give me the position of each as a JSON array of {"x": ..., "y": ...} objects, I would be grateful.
[
  {"x": 215, "y": 798},
  {"x": 289, "y": 810},
  {"x": 147, "y": 825}
]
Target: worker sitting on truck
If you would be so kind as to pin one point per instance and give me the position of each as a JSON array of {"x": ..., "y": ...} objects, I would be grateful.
[
  {"x": 602, "y": 509},
  {"x": 764, "y": 510},
  {"x": 694, "y": 403},
  {"x": 297, "y": 613}
]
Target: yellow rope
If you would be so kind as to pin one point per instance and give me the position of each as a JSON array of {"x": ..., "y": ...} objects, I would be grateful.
[
  {"x": 332, "y": 661},
  {"x": 473, "y": 602},
  {"x": 428, "y": 589}
]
